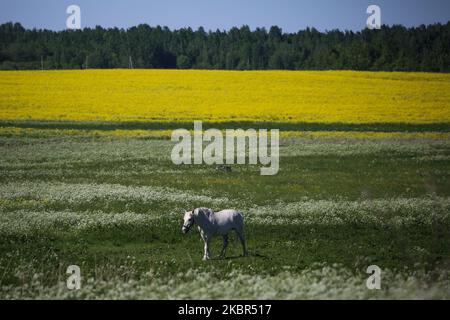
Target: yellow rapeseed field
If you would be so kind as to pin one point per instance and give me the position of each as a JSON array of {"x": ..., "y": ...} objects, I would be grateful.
[{"x": 185, "y": 95}]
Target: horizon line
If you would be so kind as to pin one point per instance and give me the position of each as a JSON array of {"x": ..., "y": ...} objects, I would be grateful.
[{"x": 312, "y": 28}]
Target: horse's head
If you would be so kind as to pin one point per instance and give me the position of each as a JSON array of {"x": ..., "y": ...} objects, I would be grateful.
[{"x": 188, "y": 221}]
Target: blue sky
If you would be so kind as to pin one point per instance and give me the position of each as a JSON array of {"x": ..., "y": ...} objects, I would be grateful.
[{"x": 291, "y": 15}]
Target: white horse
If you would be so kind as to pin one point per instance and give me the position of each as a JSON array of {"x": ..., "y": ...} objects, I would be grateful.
[{"x": 212, "y": 223}]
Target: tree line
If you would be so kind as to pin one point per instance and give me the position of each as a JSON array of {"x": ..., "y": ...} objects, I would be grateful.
[{"x": 391, "y": 48}]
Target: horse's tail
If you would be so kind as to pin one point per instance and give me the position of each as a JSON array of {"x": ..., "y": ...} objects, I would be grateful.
[{"x": 240, "y": 216}]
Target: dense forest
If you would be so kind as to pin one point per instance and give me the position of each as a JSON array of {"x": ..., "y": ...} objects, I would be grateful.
[{"x": 423, "y": 48}]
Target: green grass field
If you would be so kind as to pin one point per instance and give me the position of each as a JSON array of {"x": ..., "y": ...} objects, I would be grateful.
[{"x": 113, "y": 206}]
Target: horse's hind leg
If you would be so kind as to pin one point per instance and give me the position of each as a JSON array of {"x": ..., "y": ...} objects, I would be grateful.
[
  {"x": 225, "y": 245},
  {"x": 241, "y": 236}
]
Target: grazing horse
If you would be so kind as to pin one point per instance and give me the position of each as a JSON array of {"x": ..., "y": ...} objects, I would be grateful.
[{"x": 212, "y": 223}]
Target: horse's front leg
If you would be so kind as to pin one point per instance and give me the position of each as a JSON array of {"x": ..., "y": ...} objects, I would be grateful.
[
  {"x": 206, "y": 255},
  {"x": 206, "y": 240}
]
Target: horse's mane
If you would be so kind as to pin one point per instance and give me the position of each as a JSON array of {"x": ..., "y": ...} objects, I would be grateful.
[{"x": 207, "y": 212}]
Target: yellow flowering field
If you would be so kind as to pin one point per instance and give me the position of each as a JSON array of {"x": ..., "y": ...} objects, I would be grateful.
[{"x": 217, "y": 96}]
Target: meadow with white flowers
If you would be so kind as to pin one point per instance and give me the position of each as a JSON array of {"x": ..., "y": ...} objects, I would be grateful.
[{"x": 113, "y": 206}]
